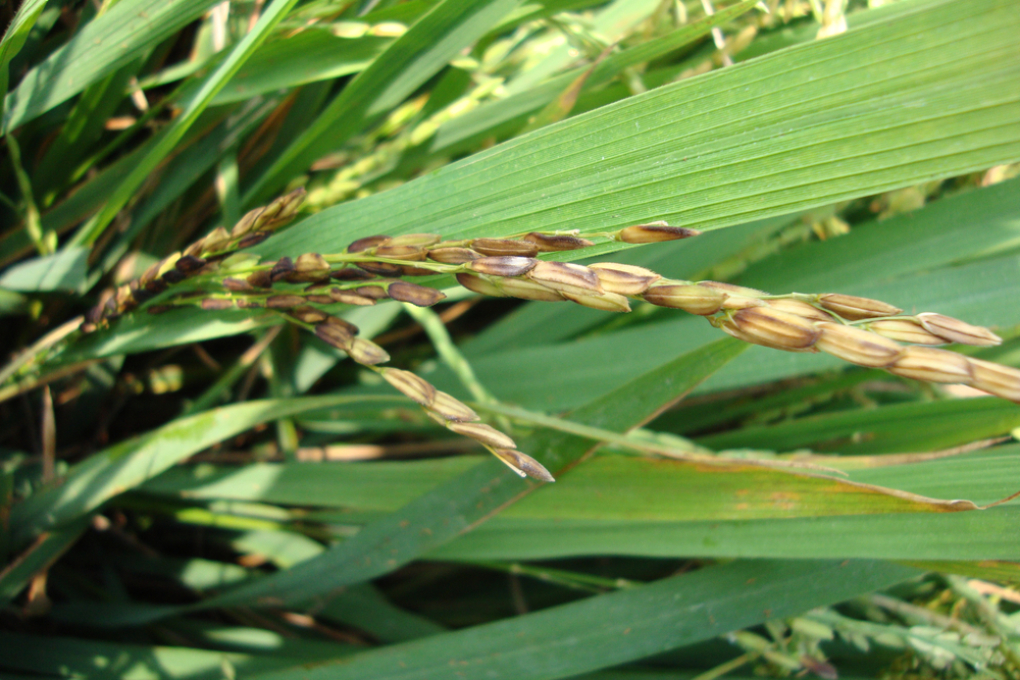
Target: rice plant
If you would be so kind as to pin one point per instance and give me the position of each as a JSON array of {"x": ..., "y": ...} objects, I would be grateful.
[{"x": 312, "y": 302}]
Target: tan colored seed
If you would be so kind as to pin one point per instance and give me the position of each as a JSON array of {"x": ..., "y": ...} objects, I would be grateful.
[
  {"x": 236, "y": 285},
  {"x": 381, "y": 268},
  {"x": 245, "y": 224},
  {"x": 1002, "y": 381},
  {"x": 195, "y": 249},
  {"x": 311, "y": 262},
  {"x": 284, "y": 301},
  {"x": 654, "y": 232},
  {"x": 260, "y": 279},
  {"x": 484, "y": 434},
  {"x": 624, "y": 279},
  {"x": 320, "y": 299},
  {"x": 281, "y": 269},
  {"x": 419, "y": 296},
  {"x": 857, "y": 346},
  {"x": 373, "y": 292},
  {"x": 606, "y": 302},
  {"x": 525, "y": 289},
  {"x": 409, "y": 253},
  {"x": 523, "y": 464},
  {"x": 419, "y": 240},
  {"x": 775, "y": 328},
  {"x": 932, "y": 365},
  {"x": 453, "y": 255},
  {"x": 550, "y": 243},
  {"x": 334, "y": 334},
  {"x": 279, "y": 211},
  {"x": 410, "y": 385},
  {"x": 363, "y": 244},
  {"x": 500, "y": 247},
  {"x": 367, "y": 352},
  {"x": 308, "y": 314},
  {"x": 502, "y": 266},
  {"x": 905, "y": 330},
  {"x": 408, "y": 270},
  {"x": 955, "y": 330},
  {"x": 565, "y": 278},
  {"x": 217, "y": 239},
  {"x": 479, "y": 285},
  {"x": 800, "y": 308},
  {"x": 350, "y": 298},
  {"x": 690, "y": 298},
  {"x": 217, "y": 303},
  {"x": 736, "y": 302},
  {"x": 451, "y": 408},
  {"x": 853, "y": 308}
]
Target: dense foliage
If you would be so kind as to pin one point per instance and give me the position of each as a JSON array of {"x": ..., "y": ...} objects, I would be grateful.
[{"x": 234, "y": 238}]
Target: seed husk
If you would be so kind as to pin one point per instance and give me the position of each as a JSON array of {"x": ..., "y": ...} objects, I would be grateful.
[
  {"x": 504, "y": 247},
  {"x": 260, "y": 279},
  {"x": 479, "y": 285},
  {"x": 408, "y": 270},
  {"x": 1002, "y": 381},
  {"x": 363, "y": 244},
  {"x": 320, "y": 299},
  {"x": 173, "y": 276},
  {"x": 854, "y": 308},
  {"x": 281, "y": 269},
  {"x": 350, "y": 274},
  {"x": 624, "y": 279},
  {"x": 800, "y": 308},
  {"x": 252, "y": 239},
  {"x": 216, "y": 303},
  {"x": 502, "y": 266},
  {"x": 373, "y": 292},
  {"x": 483, "y": 433},
  {"x": 737, "y": 302},
  {"x": 308, "y": 314},
  {"x": 410, "y": 385},
  {"x": 279, "y": 211},
  {"x": 350, "y": 298},
  {"x": 955, "y": 330},
  {"x": 452, "y": 409},
  {"x": 523, "y": 464},
  {"x": 244, "y": 225},
  {"x": 565, "y": 278},
  {"x": 311, "y": 262},
  {"x": 654, "y": 232},
  {"x": 857, "y": 346},
  {"x": 419, "y": 240},
  {"x": 905, "y": 330},
  {"x": 367, "y": 352},
  {"x": 932, "y": 365},
  {"x": 453, "y": 255},
  {"x": 236, "y": 285},
  {"x": 150, "y": 274},
  {"x": 409, "y": 253},
  {"x": 606, "y": 302},
  {"x": 775, "y": 328},
  {"x": 217, "y": 239},
  {"x": 525, "y": 289},
  {"x": 550, "y": 243},
  {"x": 250, "y": 303},
  {"x": 195, "y": 249},
  {"x": 693, "y": 299},
  {"x": 419, "y": 296},
  {"x": 284, "y": 301},
  {"x": 381, "y": 268}
]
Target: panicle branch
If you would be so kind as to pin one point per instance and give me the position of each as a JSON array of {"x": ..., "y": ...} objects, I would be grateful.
[{"x": 858, "y": 330}]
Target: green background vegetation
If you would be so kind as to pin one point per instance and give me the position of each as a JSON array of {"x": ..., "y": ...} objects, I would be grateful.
[{"x": 205, "y": 494}]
